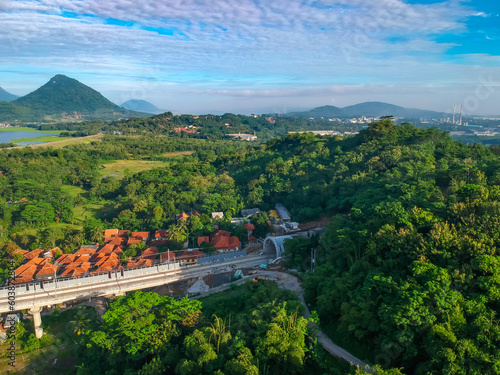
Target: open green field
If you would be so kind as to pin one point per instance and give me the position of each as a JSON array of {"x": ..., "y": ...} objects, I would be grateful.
[
  {"x": 134, "y": 166},
  {"x": 30, "y": 130},
  {"x": 43, "y": 138}
]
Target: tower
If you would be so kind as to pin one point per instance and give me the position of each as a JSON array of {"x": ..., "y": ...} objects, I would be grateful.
[
  {"x": 461, "y": 111},
  {"x": 454, "y": 111}
]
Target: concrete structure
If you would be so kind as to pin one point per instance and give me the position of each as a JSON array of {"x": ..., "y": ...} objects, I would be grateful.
[
  {"x": 37, "y": 294},
  {"x": 275, "y": 244}
]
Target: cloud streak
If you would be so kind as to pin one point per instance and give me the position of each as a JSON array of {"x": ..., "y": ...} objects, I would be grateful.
[{"x": 257, "y": 45}]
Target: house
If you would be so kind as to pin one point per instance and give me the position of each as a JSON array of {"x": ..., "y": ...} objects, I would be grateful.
[
  {"x": 190, "y": 257},
  {"x": 194, "y": 213},
  {"x": 250, "y": 212},
  {"x": 136, "y": 237},
  {"x": 203, "y": 239},
  {"x": 217, "y": 215},
  {"x": 292, "y": 225},
  {"x": 167, "y": 256},
  {"x": 149, "y": 253},
  {"x": 48, "y": 271},
  {"x": 222, "y": 241},
  {"x": 283, "y": 212},
  {"x": 182, "y": 216},
  {"x": 143, "y": 236},
  {"x": 160, "y": 237}
]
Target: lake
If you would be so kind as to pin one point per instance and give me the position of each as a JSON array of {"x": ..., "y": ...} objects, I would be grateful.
[{"x": 8, "y": 136}]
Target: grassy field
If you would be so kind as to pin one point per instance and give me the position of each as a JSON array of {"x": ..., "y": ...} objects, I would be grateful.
[
  {"x": 175, "y": 154},
  {"x": 29, "y": 130},
  {"x": 134, "y": 166},
  {"x": 43, "y": 138}
]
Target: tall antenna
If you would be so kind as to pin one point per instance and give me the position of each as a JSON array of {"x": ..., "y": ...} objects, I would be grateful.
[
  {"x": 454, "y": 111},
  {"x": 461, "y": 111}
]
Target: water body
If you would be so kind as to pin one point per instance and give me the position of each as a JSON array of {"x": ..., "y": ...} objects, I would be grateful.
[{"x": 8, "y": 136}]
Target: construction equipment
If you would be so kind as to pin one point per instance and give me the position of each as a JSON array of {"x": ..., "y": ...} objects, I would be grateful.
[{"x": 260, "y": 277}]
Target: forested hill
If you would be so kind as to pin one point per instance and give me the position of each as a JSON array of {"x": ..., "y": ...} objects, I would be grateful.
[
  {"x": 64, "y": 96},
  {"x": 7, "y": 96},
  {"x": 409, "y": 268}
]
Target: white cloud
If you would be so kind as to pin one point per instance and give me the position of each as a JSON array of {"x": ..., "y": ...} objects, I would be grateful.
[{"x": 236, "y": 46}]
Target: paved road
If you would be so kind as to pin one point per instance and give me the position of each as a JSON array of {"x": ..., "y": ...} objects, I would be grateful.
[{"x": 290, "y": 282}]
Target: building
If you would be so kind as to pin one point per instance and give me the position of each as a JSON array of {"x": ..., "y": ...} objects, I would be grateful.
[
  {"x": 244, "y": 137},
  {"x": 283, "y": 212},
  {"x": 190, "y": 257},
  {"x": 250, "y": 212},
  {"x": 167, "y": 257},
  {"x": 222, "y": 241},
  {"x": 217, "y": 215}
]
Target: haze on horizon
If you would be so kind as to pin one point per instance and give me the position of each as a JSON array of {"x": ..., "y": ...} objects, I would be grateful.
[{"x": 251, "y": 56}]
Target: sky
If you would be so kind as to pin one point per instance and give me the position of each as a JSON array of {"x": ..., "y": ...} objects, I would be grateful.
[{"x": 258, "y": 56}]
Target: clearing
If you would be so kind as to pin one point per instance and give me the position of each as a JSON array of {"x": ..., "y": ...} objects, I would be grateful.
[{"x": 134, "y": 166}]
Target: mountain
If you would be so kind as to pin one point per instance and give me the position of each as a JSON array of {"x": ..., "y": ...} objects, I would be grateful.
[
  {"x": 324, "y": 111},
  {"x": 369, "y": 109},
  {"x": 66, "y": 97},
  {"x": 7, "y": 96},
  {"x": 142, "y": 106}
]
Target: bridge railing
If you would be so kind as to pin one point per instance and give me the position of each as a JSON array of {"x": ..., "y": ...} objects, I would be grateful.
[
  {"x": 61, "y": 283},
  {"x": 222, "y": 257}
]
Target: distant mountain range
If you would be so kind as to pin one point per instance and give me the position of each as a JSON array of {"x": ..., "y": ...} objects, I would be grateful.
[
  {"x": 142, "y": 106},
  {"x": 369, "y": 109},
  {"x": 7, "y": 96},
  {"x": 64, "y": 98}
]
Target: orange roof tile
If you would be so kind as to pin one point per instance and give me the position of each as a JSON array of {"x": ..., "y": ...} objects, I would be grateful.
[
  {"x": 162, "y": 233},
  {"x": 33, "y": 254},
  {"x": 85, "y": 251},
  {"x": 47, "y": 269},
  {"x": 167, "y": 255},
  {"x": 203, "y": 239},
  {"x": 111, "y": 232}
]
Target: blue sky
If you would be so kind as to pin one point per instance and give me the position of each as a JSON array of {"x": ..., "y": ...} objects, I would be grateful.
[{"x": 249, "y": 56}]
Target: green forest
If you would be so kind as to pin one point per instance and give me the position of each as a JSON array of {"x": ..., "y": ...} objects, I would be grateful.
[{"x": 407, "y": 273}]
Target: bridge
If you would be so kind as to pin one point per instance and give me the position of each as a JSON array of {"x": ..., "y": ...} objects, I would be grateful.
[{"x": 36, "y": 295}]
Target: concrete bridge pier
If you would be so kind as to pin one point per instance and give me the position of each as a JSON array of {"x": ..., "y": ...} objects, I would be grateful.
[{"x": 37, "y": 321}]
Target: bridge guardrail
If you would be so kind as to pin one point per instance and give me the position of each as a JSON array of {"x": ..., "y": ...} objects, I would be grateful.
[{"x": 61, "y": 283}]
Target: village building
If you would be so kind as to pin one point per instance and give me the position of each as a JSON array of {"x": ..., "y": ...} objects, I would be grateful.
[
  {"x": 221, "y": 240},
  {"x": 190, "y": 257}
]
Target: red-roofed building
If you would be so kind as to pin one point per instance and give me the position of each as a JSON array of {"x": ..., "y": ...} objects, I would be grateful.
[
  {"x": 111, "y": 232},
  {"x": 149, "y": 253},
  {"x": 182, "y": 216},
  {"x": 33, "y": 254},
  {"x": 48, "y": 271},
  {"x": 18, "y": 251},
  {"x": 85, "y": 251},
  {"x": 167, "y": 256},
  {"x": 190, "y": 257},
  {"x": 203, "y": 239}
]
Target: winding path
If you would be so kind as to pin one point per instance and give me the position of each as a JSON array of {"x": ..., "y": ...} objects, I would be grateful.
[{"x": 290, "y": 282}]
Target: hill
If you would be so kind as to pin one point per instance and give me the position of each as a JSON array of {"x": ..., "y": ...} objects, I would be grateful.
[
  {"x": 66, "y": 97},
  {"x": 324, "y": 111},
  {"x": 7, "y": 96},
  {"x": 369, "y": 109},
  {"x": 142, "y": 106}
]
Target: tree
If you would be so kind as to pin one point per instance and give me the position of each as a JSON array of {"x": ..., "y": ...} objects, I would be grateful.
[{"x": 93, "y": 230}]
